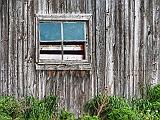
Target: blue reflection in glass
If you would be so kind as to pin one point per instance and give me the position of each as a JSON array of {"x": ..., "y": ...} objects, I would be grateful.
[
  {"x": 50, "y": 31},
  {"x": 73, "y": 31}
]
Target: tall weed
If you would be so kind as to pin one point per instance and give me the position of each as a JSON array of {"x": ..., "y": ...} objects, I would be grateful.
[
  {"x": 40, "y": 109},
  {"x": 10, "y": 108}
]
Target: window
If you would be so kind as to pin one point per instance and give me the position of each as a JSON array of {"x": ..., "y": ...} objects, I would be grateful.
[{"x": 63, "y": 42}]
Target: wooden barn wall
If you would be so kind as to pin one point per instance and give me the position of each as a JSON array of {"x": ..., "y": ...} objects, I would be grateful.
[{"x": 126, "y": 48}]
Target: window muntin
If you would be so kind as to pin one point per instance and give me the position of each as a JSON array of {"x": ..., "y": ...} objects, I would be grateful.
[{"x": 62, "y": 41}]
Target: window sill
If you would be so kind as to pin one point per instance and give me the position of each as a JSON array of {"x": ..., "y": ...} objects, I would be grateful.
[{"x": 64, "y": 66}]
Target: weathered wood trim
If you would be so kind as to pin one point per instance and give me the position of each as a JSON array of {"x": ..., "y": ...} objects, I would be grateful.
[
  {"x": 63, "y": 66},
  {"x": 36, "y": 37},
  {"x": 49, "y": 61},
  {"x": 65, "y": 17},
  {"x": 90, "y": 40}
]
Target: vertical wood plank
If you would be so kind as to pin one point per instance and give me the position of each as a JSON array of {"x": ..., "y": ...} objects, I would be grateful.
[
  {"x": 25, "y": 48},
  {"x": 131, "y": 59},
  {"x": 31, "y": 48},
  {"x": 136, "y": 45},
  {"x": 1, "y": 47},
  {"x": 127, "y": 46},
  {"x": 20, "y": 72},
  {"x": 157, "y": 25},
  {"x": 100, "y": 42},
  {"x": 109, "y": 80},
  {"x": 3, "y": 44},
  {"x": 10, "y": 56}
]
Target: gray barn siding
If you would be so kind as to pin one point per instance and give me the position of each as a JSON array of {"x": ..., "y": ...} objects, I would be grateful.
[{"x": 126, "y": 48}]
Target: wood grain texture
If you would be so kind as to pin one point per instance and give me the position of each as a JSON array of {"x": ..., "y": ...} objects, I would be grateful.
[{"x": 125, "y": 50}]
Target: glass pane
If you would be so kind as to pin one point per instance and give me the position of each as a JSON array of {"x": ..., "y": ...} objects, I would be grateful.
[
  {"x": 50, "y": 31},
  {"x": 73, "y": 31}
]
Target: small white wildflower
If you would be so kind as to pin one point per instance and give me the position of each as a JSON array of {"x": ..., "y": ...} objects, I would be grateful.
[{"x": 148, "y": 110}]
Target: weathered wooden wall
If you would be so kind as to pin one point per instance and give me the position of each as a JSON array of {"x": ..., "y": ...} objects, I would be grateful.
[{"x": 126, "y": 51}]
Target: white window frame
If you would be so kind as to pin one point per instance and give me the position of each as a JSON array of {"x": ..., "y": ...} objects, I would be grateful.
[{"x": 71, "y": 64}]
